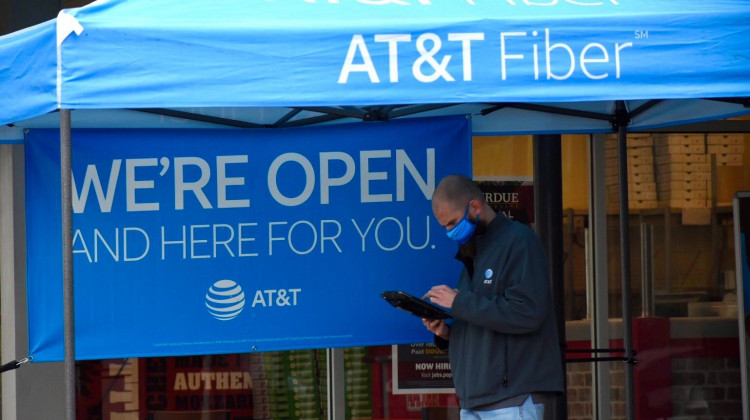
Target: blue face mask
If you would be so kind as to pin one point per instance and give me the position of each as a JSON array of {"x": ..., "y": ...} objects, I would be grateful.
[{"x": 464, "y": 229}]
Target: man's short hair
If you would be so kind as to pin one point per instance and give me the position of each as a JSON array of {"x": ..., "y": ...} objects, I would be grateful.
[{"x": 457, "y": 190}]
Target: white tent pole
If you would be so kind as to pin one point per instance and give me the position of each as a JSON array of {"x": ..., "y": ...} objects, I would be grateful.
[
  {"x": 67, "y": 234},
  {"x": 598, "y": 281}
]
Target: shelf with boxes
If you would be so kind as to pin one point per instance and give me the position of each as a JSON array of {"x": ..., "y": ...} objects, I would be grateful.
[
  {"x": 642, "y": 190},
  {"x": 683, "y": 170},
  {"x": 728, "y": 148},
  {"x": 671, "y": 170}
]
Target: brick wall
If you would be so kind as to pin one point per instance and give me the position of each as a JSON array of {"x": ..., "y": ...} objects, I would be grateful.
[
  {"x": 706, "y": 388},
  {"x": 702, "y": 388},
  {"x": 580, "y": 392},
  {"x": 617, "y": 389}
]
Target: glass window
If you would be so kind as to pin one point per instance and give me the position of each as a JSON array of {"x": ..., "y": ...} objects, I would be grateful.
[{"x": 274, "y": 385}]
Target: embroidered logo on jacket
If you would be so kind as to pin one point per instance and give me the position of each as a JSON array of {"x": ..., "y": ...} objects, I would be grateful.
[{"x": 488, "y": 276}]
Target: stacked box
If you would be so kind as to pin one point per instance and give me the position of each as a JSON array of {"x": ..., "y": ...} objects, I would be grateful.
[
  {"x": 683, "y": 170},
  {"x": 269, "y": 386},
  {"x": 304, "y": 395},
  {"x": 728, "y": 148},
  {"x": 261, "y": 408},
  {"x": 322, "y": 381},
  {"x": 286, "y": 385},
  {"x": 642, "y": 192},
  {"x": 358, "y": 379}
]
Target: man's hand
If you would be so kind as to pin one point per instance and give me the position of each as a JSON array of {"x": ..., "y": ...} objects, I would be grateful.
[
  {"x": 437, "y": 327},
  {"x": 441, "y": 295}
]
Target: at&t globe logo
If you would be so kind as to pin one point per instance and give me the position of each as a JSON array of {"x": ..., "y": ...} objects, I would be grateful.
[{"x": 225, "y": 300}]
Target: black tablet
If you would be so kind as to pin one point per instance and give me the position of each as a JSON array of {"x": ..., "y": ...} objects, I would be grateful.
[{"x": 414, "y": 305}]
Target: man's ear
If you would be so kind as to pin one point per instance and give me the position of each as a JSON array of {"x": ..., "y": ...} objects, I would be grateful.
[{"x": 476, "y": 205}]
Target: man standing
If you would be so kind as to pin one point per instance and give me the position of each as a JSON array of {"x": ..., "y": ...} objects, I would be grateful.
[{"x": 502, "y": 343}]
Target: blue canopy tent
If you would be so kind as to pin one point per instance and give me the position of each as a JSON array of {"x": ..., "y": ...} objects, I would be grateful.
[
  {"x": 533, "y": 67},
  {"x": 508, "y": 61}
]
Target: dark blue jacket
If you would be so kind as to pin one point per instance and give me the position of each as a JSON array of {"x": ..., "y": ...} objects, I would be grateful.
[{"x": 503, "y": 341}]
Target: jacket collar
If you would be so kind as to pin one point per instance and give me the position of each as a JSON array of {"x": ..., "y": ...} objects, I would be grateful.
[
  {"x": 468, "y": 251},
  {"x": 493, "y": 231}
]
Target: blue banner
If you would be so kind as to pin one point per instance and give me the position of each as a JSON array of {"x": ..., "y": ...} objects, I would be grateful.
[{"x": 222, "y": 241}]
